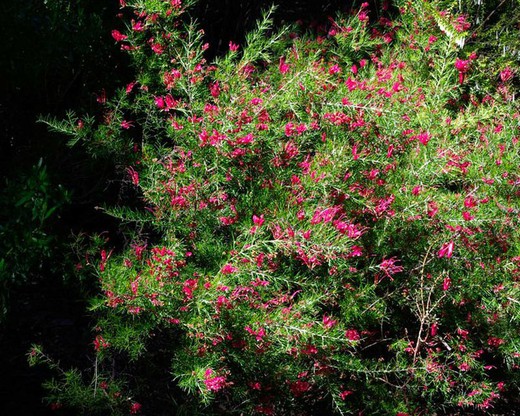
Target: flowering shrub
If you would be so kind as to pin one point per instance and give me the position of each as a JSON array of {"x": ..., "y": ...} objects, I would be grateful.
[{"x": 329, "y": 221}]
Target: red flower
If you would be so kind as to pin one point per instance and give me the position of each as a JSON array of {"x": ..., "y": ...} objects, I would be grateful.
[
  {"x": 334, "y": 69},
  {"x": 389, "y": 267},
  {"x": 118, "y": 36},
  {"x": 463, "y": 67},
  {"x": 467, "y": 216},
  {"x": 228, "y": 269},
  {"x": 506, "y": 74},
  {"x": 328, "y": 322},
  {"x": 343, "y": 395},
  {"x": 424, "y": 138},
  {"x": 127, "y": 124},
  {"x": 258, "y": 220},
  {"x": 495, "y": 342},
  {"x": 134, "y": 175},
  {"x": 176, "y": 4},
  {"x": 215, "y": 383},
  {"x": 299, "y": 387},
  {"x": 283, "y": 67},
  {"x": 100, "y": 343},
  {"x": 352, "y": 335},
  {"x": 433, "y": 329},
  {"x": 214, "y": 89},
  {"x": 157, "y": 48},
  {"x": 135, "y": 408},
  {"x": 56, "y": 406}
]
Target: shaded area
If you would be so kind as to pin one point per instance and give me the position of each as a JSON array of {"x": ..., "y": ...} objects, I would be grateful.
[{"x": 47, "y": 312}]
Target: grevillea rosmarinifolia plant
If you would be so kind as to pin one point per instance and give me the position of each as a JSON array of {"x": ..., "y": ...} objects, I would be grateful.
[{"x": 329, "y": 223}]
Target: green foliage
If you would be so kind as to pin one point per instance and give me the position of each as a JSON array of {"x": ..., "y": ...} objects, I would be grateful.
[
  {"x": 327, "y": 223},
  {"x": 496, "y": 24},
  {"x": 29, "y": 206},
  {"x": 94, "y": 398}
]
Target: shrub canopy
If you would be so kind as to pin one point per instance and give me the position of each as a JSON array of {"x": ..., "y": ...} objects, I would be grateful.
[{"x": 327, "y": 221}]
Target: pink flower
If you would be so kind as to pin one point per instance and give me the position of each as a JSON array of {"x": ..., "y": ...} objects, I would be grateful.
[
  {"x": 134, "y": 175},
  {"x": 464, "y": 367},
  {"x": 214, "y": 383},
  {"x": 214, "y": 89},
  {"x": 258, "y": 220},
  {"x": 137, "y": 26},
  {"x": 127, "y": 124},
  {"x": 470, "y": 202},
  {"x": 424, "y": 138},
  {"x": 334, "y": 69},
  {"x": 467, "y": 216},
  {"x": 299, "y": 387},
  {"x": 433, "y": 329},
  {"x": 100, "y": 343},
  {"x": 463, "y": 67},
  {"x": 352, "y": 335},
  {"x": 416, "y": 190},
  {"x": 159, "y": 102},
  {"x": 135, "y": 408},
  {"x": 233, "y": 47},
  {"x": 343, "y": 395},
  {"x": 432, "y": 209},
  {"x": 462, "y": 24},
  {"x": 283, "y": 67},
  {"x": 118, "y": 36},
  {"x": 255, "y": 385},
  {"x": 446, "y": 250},
  {"x": 389, "y": 267},
  {"x": 228, "y": 269},
  {"x": 328, "y": 322},
  {"x": 495, "y": 342},
  {"x": 248, "y": 138},
  {"x": 157, "y": 48},
  {"x": 506, "y": 74},
  {"x": 356, "y": 251},
  {"x": 130, "y": 87},
  {"x": 102, "y": 97},
  {"x": 259, "y": 335}
]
